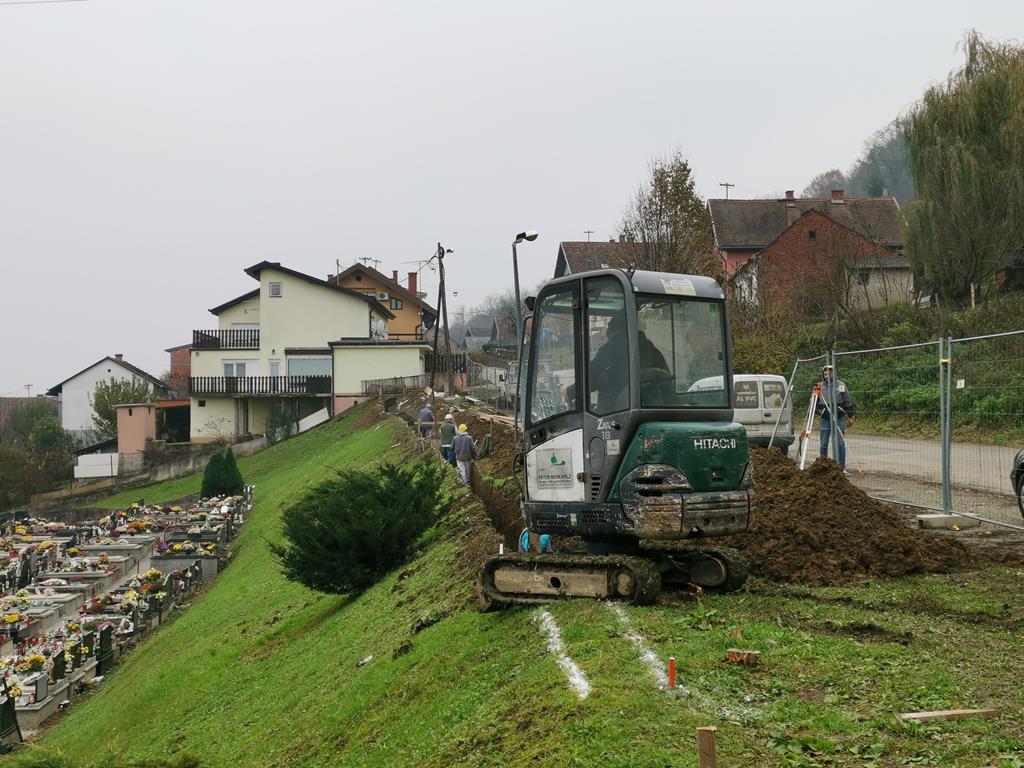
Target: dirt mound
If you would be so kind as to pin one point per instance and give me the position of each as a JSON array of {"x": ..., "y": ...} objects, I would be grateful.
[{"x": 814, "y": 527}]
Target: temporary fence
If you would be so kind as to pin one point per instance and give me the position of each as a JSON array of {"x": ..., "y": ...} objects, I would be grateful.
[
  {"x": 396, "y": 385},
  {"x": 493, "y": 385},
  {"x": 938, "y": 424}
]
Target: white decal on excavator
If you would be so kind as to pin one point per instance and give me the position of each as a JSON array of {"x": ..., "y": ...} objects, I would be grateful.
[{"x": 713, "y": 443}]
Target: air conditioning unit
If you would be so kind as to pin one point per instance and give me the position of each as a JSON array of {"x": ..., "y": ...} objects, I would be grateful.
[{"x": 382, "y": 296}]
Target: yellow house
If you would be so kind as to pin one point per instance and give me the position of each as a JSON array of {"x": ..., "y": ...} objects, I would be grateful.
[
  {"x": 286, "y": 350},
  {"x": 413, "y": 316}
]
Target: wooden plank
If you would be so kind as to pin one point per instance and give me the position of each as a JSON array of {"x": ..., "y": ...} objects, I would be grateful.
[
  {"x": 947, "y": 714},
  {"x": 706, "y": 757}
]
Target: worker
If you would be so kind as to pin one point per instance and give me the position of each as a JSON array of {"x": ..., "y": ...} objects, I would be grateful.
[
  {"x": 426, "y": 421},
  {"x": 465, "y": 451},
  {"x": 845, "y": 412},
  {"x": 609, "y": 368},
  {"x": 447, "y": 431}
]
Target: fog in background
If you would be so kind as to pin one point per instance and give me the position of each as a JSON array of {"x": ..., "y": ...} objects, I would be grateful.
[{"x": 150, "y": 150}]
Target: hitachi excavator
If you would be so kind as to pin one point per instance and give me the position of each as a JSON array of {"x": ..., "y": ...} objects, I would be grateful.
[{"x": 619, "y": 448}]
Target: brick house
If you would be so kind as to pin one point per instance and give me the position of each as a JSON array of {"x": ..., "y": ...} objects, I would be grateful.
[{"x": 822, "y": 254}]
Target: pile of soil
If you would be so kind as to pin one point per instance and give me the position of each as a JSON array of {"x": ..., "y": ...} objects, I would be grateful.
[{"x": 815, "y": 527}]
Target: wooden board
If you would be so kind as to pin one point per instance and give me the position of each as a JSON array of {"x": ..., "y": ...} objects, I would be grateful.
[
  {"x": 706, "y": 757},
  {"x": 947, "y": 714}
]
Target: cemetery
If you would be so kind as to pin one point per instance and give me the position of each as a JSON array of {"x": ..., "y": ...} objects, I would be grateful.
[{"x": 74, "y": 598}]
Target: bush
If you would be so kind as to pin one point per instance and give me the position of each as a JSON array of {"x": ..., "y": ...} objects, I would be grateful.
[
  {"x": 347, "y": 532},
  {"x": 222, "y": 476}
]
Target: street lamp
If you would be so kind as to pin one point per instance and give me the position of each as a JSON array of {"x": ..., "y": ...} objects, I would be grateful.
[{"x": 529, "y": 235}]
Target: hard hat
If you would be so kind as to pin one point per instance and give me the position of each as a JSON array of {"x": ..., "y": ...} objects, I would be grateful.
[
  {"x": 826, "y": 368},
  {"x": 462, "y": 428},
  {"x": 448, "y": 417}
]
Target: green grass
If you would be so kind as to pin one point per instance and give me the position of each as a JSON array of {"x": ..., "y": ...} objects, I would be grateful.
[{"x": 262, "y": 672}]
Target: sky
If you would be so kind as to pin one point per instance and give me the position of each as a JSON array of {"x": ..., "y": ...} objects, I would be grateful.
[{"x": 150, "y": 150}]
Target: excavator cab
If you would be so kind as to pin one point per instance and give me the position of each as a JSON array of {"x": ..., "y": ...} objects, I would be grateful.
[
  {"x": 622, "y": 447},
  {"x": 619, "y": 440}
]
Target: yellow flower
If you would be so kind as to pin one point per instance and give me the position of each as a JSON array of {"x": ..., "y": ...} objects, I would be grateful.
[
  {"x": 12, "y": 618},
  {"x": 21, "y": 530}
]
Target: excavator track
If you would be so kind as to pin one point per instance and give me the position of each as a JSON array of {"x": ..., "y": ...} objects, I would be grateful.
[
  {"x": 531, "y": 579},
  {"x": 713, "y": 569}
]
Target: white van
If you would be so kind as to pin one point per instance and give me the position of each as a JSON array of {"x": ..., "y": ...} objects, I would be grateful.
[{"x": 759, "y": 399}]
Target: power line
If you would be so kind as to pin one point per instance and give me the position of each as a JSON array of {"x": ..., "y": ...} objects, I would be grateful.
[{"x": 39, "y": 2}]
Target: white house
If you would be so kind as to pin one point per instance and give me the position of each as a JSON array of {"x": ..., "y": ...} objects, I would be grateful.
[
  {"x": 289, "y": 348},
  {"x": 75, "y": 392}
]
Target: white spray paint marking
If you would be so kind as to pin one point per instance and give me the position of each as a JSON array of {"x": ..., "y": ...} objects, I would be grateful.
[
  {"x": 577, "y": 680},
  {"x": 647, "y": 656}
]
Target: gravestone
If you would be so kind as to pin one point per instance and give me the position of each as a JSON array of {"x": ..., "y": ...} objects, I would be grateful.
[
  {"x": 60, "y": 667},
  {"x": 24, "y": 578},
  {"x": 89, "y": 644},
  {"x": 105, "y": 657},
  {"x": 8, "y": 716},
  {"x": 74, "y": 653}
]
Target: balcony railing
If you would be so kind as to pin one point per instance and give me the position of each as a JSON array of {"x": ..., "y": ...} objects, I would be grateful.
[
  {"x": 260, "y": 385},
  {"x": 237, "y": 338},
  {"x": 418, "y": 336}
]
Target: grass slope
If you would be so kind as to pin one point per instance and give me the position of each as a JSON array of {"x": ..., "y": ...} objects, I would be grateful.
[{"x": 263, "y": 671}]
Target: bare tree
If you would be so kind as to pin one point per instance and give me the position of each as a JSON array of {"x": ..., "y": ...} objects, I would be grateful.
[{"x": 823, "y": 184}]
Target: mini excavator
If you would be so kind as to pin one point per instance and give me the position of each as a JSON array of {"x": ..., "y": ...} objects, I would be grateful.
[{"x": 622, "y": 453}]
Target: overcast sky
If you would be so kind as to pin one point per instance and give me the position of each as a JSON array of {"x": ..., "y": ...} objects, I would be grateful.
[{"x": 150, "y": 150}]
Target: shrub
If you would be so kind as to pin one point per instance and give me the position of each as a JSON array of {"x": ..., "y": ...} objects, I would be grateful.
[
  {"x": 222, "y": 476},
  {"x": 347, "y": 532}
]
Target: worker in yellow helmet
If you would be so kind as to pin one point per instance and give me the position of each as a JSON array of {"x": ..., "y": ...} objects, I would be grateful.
[{"x": 465, "y": 451}]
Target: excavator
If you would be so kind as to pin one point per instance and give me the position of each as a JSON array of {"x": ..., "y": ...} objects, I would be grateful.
[{"x": 623, "y": 458}]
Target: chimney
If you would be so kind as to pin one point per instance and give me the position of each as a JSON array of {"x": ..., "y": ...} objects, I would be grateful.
[
  {"x": 792, "y": 212},
  {"x": 837, "y": 197},
  {"x": 412, "y": 284},
  {"x": 790, "y": 198},
  {"x": 394, "y": 276},
  {"x": 119, "y": 356}
]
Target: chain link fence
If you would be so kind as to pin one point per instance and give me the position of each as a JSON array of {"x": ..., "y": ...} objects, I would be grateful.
[
  {"x": 493, "y": 384},
  {"x": 938, "y": 424}
]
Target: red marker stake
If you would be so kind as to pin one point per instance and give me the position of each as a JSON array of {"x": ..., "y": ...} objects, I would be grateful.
[{"x": 671, "y": 672}]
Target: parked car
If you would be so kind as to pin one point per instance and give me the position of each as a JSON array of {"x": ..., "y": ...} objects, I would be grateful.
[
  {"x": 759, "y": 401},
  {"x": 1017, "y": 479}
]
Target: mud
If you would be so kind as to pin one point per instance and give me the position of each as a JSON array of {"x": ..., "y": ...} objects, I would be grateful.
[{"x": 814, "y": 527}]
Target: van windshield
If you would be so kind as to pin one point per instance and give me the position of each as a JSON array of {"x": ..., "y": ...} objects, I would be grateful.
[{"x": 681, "y": 341}]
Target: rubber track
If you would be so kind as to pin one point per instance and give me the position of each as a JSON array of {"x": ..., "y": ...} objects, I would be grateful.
[
  {"x": 645, "y": 573},
  {"x": 736, "y": 564}
]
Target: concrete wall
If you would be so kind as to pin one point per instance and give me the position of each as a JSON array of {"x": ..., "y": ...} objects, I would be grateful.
[
  {"x": 213, "y": 420},
  {"x": 884, "y": 287},
  {"x": 135, "y": 423},
  {"x": 353, "y": 365},
  {"x": 75, "y": 411},
  {"x": 244, "y": 313},
  {"x": 97, "y": 465}
]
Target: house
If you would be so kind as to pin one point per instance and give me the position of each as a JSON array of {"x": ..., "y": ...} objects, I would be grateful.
[
  {"x": 412, "y": 314},
  {"x": 181, "y": 367},
  {"x": 482, "y": 329},
  {"x": 837, "y": 251},
  {"x": 294, "y": 346},
  {"x": 580, "y": 256},
  {"x": 74, "y": 394}
]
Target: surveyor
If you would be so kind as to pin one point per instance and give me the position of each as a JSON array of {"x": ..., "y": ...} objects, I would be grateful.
[
  {"x": 465, "y": 451},
  {"x": 845, "y": 413},
  {"x": 447, "y": 431}
]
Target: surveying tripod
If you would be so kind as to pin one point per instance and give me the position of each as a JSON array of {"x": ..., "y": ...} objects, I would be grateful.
[{"x": 805, "y": 436}]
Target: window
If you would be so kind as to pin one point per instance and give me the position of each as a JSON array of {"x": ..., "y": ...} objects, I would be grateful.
[
  {"x": 682, "y": 353},
  {"x": 234, "y": 369},
  {"x": 863, "y": 276},
  {"x": 202, "y": 403},
  {"x": 553, "y": 367},
  {"x": 746, "y": 394},
  {"x": 607, "y": 347},
  {"x": 396, "y": 304},
  {"x": 309, "y": 366},
  {"x": 812, "y": 234},
  {"x": 276, "y": 290},
  {"x": 774, "y": 394},
  {"x": 275, "y": 367}
]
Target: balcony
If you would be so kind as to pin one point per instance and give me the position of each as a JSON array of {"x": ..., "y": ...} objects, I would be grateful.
[
  {"x": 260, "y": 386},
  {"x": 238, "y": 338}
]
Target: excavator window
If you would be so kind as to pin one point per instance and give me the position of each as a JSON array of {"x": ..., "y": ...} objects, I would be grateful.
[
  {"x": 607, "y": 347},
  {"x": 552, "y": 372}
]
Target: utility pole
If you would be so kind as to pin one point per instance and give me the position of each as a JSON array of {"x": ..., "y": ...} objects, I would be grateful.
[
  {"x": 442, "y": 306},
  {"x": 588, "y": 233},
  {"x": 28, "y": 387},
  {"x": 726, "y": 184}
]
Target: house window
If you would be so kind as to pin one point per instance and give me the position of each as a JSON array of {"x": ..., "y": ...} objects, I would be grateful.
[
  {"x": 396, "y": 304},
  {"x": 812, "y": 234},
  {"x": 276, "y": 290},
  {"x": 275, "y": 367},
  {"x": 238, "y": 367},
  {"x": 863, "y": 275},
  {"x": 202, "y": 403},
  {"x": 309, "y": 366}
]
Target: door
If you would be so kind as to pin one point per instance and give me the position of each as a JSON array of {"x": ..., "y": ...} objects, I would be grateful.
[{"x": 554, "y": 434}]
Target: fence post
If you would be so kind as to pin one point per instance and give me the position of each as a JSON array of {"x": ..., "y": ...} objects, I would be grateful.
[
  {"x": 785, "y": 400},
  {"x": 947, "y": 439},
  {"x": 830, "y": 359}
]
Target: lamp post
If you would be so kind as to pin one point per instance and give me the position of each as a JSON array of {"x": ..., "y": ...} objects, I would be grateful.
[{"x": 530, "y": 236}]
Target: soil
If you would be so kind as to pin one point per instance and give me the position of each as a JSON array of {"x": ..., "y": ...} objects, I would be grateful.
[{"x": 814, "y": 527}]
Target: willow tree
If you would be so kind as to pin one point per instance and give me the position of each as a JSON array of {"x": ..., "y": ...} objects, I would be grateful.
[
  {"x": 667, "y": 225},
  {"x": 965, "y": 143}
]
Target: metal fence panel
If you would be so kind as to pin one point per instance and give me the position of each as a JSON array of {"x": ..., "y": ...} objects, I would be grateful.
[
  {"x": 987, "y": 423},
  {"x": 806, "y": 373},
  {"x": 894, "y": 451},
  {"x": 492, "y": 384}
]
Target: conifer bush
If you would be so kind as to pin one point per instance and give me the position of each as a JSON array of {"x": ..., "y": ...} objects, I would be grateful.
[
  {"x": 222, "y": 476},
  {"x": 342, "y": 535}
]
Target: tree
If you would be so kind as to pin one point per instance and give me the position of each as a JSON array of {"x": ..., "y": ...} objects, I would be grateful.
[
  {"x": 233, "y": 482},
  {"x": 21, "y": 420},
  {"x": 667, "y": 224},
  {"x": 345, "y": 533},
  {"x": 965, "y": 143},
  {"x": 110, "y": 394},
  {"x": 883, "y": 169},
  {"x": 213, "y": 476},
  {"x": 823, "y": 184}
]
